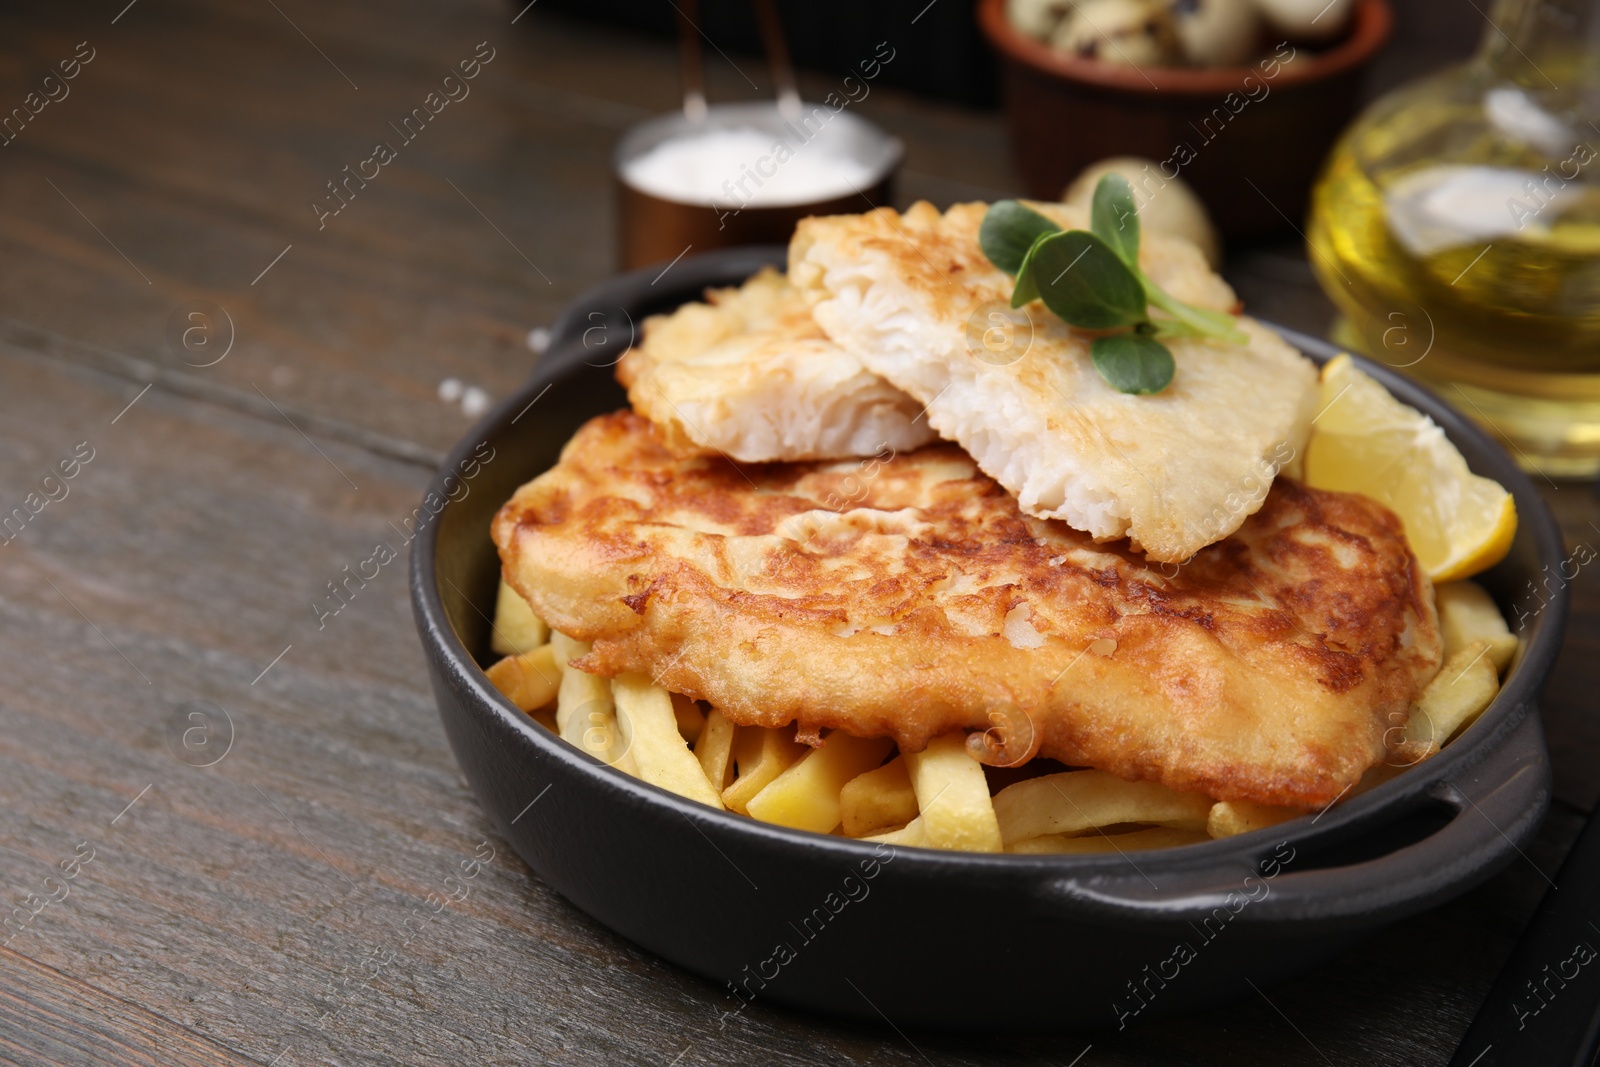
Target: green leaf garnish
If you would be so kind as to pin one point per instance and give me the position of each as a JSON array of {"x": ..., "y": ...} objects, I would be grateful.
[
  {"x": 1091, "y": 279},
  {"x": 1009, "y": 230},
  {"x": 1205, "y": 322},
  {"x": 1081, "y": 279},
  {"x": 1114, "y": 218},
  {"x": 1133, "y": 362},
  {"x": 1025, "y": 290},
  {"x": 1172, "y": 329}
]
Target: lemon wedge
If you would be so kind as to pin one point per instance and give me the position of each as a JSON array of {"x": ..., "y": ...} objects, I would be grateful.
[{"x": 1365, "y": 441}]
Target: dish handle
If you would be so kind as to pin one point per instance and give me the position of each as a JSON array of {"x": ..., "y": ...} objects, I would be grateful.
[{"x": 1472, "y": 817}]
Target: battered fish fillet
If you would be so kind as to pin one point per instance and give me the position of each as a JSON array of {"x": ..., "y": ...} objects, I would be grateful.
[
  {"x": 751, "y": 375},
  {"x": 910, "y": 295},
  {"x": 909, "y": 596}
]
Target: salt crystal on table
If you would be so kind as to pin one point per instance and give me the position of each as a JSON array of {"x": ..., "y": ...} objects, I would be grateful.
[{"x": 474, "y": 402}]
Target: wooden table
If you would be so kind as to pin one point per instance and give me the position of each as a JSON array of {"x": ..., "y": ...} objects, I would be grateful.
[{"x": 263, "y": 909}]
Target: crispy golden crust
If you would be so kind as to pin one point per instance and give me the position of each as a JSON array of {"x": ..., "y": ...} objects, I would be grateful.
[{"x": 908, "y": 596}]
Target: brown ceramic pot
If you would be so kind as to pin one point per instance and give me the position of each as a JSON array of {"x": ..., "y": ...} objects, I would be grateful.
[{"x": 1248, "y": 139}]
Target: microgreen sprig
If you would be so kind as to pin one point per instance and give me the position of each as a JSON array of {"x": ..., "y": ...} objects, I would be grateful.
[{"x": 1091, "y": 279}]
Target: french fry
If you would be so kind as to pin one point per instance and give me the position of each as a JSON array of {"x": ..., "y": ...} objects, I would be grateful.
[
  {"x": 516, "y": 628},
  {"x": 1464, "y": 686},
  {"x": 594, "y": 700},
  {"x": 567, "y": 648},
  {"x": 649, "y": 729},
  {"x": 912, "y": 833},
  {"x": 505, "y": 675},
  {"x": 1466, "y": 614},
  {"x": 878, "y": 800},
  {"x": 621, "y": 758},
  {"x": 584, "y": 711},
  {"x": 806, "y": 795},
  {"x": 953, "y": 796},
  {"x": 714, "y": 749},
  {"x": 1158, "y": 837},
  {"x": 1074, "y": 801},
  {"x": 586, "y": 714},
  {"x": 691, "y": 720},
  {"x": 1230, "y": 817},
  {"x": 761, "y": 755},
  {"x": 530, "y": 680}
]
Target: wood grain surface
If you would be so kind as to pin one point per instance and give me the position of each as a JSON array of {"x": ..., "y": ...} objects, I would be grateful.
[{"x": 271, "y": 906}]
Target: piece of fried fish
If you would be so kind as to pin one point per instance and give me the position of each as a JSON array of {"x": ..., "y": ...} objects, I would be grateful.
[
  {"x": 914, "y": 297},
  {"x": 908, "y": 596},
  {"x": 749, "y": 374}
]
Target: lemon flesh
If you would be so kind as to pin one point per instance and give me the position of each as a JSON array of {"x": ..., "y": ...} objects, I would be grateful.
[{"x": 1365, "y": 441}]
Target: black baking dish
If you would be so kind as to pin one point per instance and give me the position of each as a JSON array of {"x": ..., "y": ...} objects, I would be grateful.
[{"x": 941, "y": 939}]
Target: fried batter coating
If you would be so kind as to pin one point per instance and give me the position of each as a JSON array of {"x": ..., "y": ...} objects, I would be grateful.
[{"x": 907, "y": 596}]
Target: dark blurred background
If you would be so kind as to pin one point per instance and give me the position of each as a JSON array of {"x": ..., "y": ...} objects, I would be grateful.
[{"x": 945, "y": 57}]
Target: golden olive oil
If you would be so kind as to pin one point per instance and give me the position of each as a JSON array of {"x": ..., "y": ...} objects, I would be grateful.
[{"x": 1457, "y": 227}]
